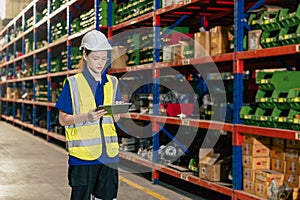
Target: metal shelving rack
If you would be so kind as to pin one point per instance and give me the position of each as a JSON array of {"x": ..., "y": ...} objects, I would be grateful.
[
  {"x": 72, "y": 7},
  {"x": 237, "y": 64}
]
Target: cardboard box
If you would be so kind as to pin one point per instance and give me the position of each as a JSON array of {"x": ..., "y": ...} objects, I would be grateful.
[
  {"x": 261, "y": 189},
  {"x": 248, "y": 186},
  {"x": 293, "y": 144},
  {"x": 278, "y": 142},
  {"x": 169, "y": 2},
  {"x": 218, "y": 40},
  {"x": 171, "y": 53},
  {"x": 256, "y": 162},
  {"x": 254, "y": 39},
  {"x": 209, "y": 167},
  {"x": 266, "y": 176},
  {"x": 255, "y": 150},
  {"x": 292, "y": 168},
  {"x": 278, "y": 165},
  {"x": 292, "y": 155},
  {"x": 212, "y": 168},
  {"x": 278, "y": 153},
  {"x": 185, "y": 47},
  {"x": 201, "y": 44},
  {"x": 18, "y": 93},
  {"x": 118, "y": 57},
  {"x": 250, "y": 139},
  {"x": 292, "y": 180},
  {"x": 167, "y": 53},
  {"x": 249, "y": 174}
]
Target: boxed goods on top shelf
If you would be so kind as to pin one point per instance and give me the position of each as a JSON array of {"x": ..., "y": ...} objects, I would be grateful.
[
  {"x": 87, "y": 18},
  {"x": 132, "y": 8},
  {"x": 57, "y": 3}
]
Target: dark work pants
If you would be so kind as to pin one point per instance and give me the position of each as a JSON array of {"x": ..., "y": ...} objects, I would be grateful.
[{"x": 98, "y": 180}]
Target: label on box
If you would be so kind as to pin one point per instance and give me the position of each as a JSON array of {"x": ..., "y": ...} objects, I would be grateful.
[
  {"x": 256, "y": 150},
  {"x": 248, "y": 186},
  {"x": 292, "y": 155},
  {"x": 278, "y": 153},
  {"x": 292, "y": 168},
  {"x": 260, "y": 189},
  {"x": 256, "y": 163},
  {"x": 278, "y": 142},
  {"x": 267, "y": 176},
  {"x": 278, "y": 165},
  {"x": 292, "y": 180},
  {"x": 293, "y": 144},
  {"x": 248, "y": 174}
]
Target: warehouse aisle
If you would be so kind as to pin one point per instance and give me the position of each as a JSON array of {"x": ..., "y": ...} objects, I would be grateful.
[{"x": 33, "y": 169}]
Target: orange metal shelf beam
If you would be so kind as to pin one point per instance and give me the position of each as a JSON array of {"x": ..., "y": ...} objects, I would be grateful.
[
  {"x": 269, "y": 52},
  {"x": 133, "y": 21},
  {"x": 269, "y": 132},
  {"x": 205, "y": 124}
]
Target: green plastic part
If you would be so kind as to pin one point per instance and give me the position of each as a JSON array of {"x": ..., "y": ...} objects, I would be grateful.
[
  {"x": 290, "y": 35},
  {"x": 254, "y": 21},
  {"x": 263, "y": 79},
  {"x": 247, "y": 114},
  {"x": 264, "y": 99},
  {"x": 270, "y": 39},
  {"x": 270, "y": 19},
  {"x": 290, "y": 19},
  {"x": 294, "y": 98},
  {"x": 280, "y": 99},
  {"x": 263, "y": 117}
]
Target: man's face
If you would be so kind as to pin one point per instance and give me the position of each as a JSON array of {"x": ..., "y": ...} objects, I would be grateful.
[{"x": 96, "y": 61}]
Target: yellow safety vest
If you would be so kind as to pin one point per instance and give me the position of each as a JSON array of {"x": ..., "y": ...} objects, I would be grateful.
[{"x": 84, "y": 140}]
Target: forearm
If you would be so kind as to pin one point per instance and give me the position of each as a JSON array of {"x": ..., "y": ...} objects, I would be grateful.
[{"x": 67, "y": 120}]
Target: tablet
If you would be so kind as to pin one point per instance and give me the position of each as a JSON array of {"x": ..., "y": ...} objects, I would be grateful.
[{"x": 115, "y": 108}]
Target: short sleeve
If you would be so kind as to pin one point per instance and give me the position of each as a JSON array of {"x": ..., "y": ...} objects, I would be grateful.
[{"x": 64, "y": 102}]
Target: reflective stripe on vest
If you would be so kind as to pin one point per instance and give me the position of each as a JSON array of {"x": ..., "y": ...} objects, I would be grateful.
[{"x": 84, "y": 139}]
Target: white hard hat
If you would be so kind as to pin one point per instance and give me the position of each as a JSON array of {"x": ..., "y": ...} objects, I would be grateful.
[{"x": 95, "y": 41}]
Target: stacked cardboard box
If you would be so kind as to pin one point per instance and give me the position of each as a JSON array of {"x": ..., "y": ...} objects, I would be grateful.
[
  {"x": 213, "y": 167},
  {"x": 256, "y": 156},
  {"x": 266, "y": 181},
  {"x": 292, "y": 175},
  {"x": 269, "y": 164}
]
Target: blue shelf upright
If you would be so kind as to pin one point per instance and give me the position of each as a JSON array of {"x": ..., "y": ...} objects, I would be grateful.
[
  {"x": 49, "y": 55},
  {"x": 238, "y": 94},
  {"x": 97, "y": 13},
  {"x": 23, "y": 65},
  {"x": 156, "y": 91},
  {"x": 69, "y": 32},
  {"x": 14, "y": 69}
]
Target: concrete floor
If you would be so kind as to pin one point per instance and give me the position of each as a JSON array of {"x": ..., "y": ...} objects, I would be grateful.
[{"x": 33, "y": 169}]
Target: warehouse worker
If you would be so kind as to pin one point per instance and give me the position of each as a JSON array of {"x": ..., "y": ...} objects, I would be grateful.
[{"x": 91, "y": 136}]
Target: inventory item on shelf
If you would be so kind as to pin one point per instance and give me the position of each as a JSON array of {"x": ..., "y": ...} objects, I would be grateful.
[
  {"x": 274, "y": 101},
  {"x": 202, "y": 44},
  {"x": 119, "y": 57},
  {"x": 128, "y": 144},
  {"x": 213, "y": 168}
]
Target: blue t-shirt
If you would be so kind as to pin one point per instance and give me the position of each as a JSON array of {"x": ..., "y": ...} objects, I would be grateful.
[{"x": 64, "y": 103}]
